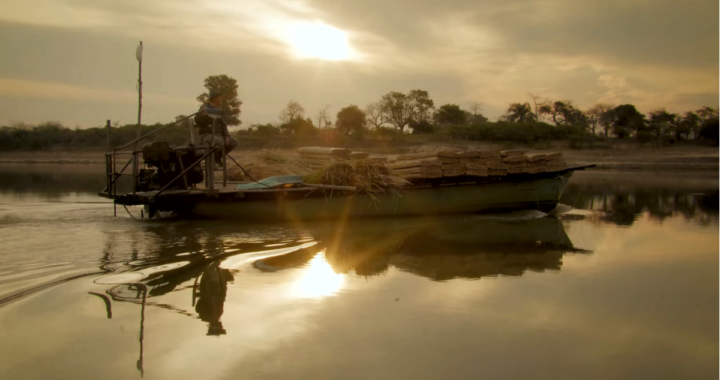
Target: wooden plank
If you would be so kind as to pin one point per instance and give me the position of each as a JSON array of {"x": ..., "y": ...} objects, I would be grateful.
[
  {"x": 517, "y": 169},
  {"x": 533, "y": 157},
  {"x": 479, "y": 154},
  {"x": 515, "y": 159},
  {"x": 453, "y": 172},
  {"x": 456, "y": 166},
  {"x": 535, "y": 169},
  {"x": 414, "y": 163},
  {"x": 476, "y": 166},
  {"x": 326, "y": 157},
  {"x": 537, "y": 164},
  {"x": 359, "y": 155},
  {"x": 477, "y": 173},
  {"x": 323, "y": 150},
  {"x": 448, "y": 154},
  {"x": 513, "y": 152},
  {"x": 449, "y": 160},
  {"x": 415, "y": 156},
  {"x": 497, "y": 172},
  {"x": 495, "y": 164}
]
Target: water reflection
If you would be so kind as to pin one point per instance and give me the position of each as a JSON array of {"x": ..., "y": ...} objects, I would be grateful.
[
  {"x": 623, "y": 199},
  {"x": 207, "y": 258},
  {"x": 210, "y": 296}
]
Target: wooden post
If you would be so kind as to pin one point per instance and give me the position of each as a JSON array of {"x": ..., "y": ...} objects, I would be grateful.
[{"x": 107, "y": 126}]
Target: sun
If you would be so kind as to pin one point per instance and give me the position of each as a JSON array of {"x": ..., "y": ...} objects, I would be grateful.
[{"x": 318, "y": 40}]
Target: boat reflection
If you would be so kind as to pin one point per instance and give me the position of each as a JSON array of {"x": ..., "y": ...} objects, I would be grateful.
[
  {"x": 440, "y": 249},
  {"x": 444, "y": 248},
  {"x": 326, "y": 256},
  {"x": 209, "y": 296}
]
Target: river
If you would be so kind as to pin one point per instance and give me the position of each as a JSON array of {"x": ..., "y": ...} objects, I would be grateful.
[{"x": 620, "y": 282}]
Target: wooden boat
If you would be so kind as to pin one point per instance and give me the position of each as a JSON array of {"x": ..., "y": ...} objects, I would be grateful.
[{"x": 176, "y": 188}]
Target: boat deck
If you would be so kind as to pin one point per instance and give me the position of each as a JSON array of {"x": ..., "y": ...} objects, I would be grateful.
[{"x": 230, "y": 193}]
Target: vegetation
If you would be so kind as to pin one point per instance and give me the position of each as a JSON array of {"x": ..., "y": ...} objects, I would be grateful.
[{"x": 394, "y": 117}]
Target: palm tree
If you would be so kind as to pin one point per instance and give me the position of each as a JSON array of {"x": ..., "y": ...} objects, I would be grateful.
[{"x": 520, "y": 113}]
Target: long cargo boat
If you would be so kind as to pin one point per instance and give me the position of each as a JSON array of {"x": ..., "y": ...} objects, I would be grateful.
[{"x": 171, "y": 181}]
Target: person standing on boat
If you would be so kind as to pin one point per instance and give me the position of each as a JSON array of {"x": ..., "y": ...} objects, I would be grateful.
[{"x": 205, "y": 126}]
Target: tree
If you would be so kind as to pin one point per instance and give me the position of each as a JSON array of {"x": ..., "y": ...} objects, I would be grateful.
[
  {"x": 398, "y": 108},
  {"x": 265, "y": 130},
  {"x": 475, "y": 117},
  {"x": 322, "y": 117},
  {"x": 450, "y": 114},
  {"x": 535, "y": 99},
  {"x": 627, "y": 120},
  {"x": 554, "y": 109},
  {"x": 421, "y": 127},
  {"x": 600, "y": 114},
  {"x": 299, "y": 126},
  {"x": 520, "y": 113},
  {"x": 563, "y": 112},
  {"x": 375, "y": 115},
  {"x": 231, "y": 104},
  {"x": 660, "y": 123},
  {"x": 422, "y": 104},
  {"x": 351, "y": 120},
  {"x": 710, "y": 130},
  {"x": 706, "y": 113},
  {"x": 689, "y": 124},
  {"x": 292, "y": 110}
]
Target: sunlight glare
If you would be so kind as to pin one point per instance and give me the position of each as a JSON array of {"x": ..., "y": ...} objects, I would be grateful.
[
  {"x": 318, "y": 279},
  {"x": 318, "y": 40}
]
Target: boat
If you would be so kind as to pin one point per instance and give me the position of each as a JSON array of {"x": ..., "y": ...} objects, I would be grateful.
[{"x": 171, "y": 182}]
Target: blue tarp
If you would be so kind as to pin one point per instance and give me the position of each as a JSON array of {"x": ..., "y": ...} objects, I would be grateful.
[{"x": 271, "y": 182}]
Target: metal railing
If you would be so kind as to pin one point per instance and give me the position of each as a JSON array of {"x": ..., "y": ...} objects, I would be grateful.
[{"x": 113, "y": 175}]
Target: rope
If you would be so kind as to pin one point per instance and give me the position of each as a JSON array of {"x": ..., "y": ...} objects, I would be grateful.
[{"x": 246, "y": 173}]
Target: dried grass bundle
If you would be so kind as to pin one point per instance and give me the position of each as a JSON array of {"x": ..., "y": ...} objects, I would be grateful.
[
  {"x": 266, "y": 163},
  {"x": 366, "y": 175}
]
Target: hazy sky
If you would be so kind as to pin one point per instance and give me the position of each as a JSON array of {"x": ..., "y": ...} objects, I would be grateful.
[{"x": 74, "y": 60}]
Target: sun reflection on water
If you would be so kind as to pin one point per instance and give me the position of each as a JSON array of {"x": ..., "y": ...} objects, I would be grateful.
[{"x": 317, "y": 279}]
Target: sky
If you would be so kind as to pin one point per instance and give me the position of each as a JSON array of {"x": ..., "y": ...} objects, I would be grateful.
[{"x": 73, "y": 61}]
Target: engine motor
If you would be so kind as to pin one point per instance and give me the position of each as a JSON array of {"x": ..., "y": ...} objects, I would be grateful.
[{"x": 166, "y": 163}]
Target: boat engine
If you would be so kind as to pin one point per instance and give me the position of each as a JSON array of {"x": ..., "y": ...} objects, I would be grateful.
[{"x": 165, "y": 163}]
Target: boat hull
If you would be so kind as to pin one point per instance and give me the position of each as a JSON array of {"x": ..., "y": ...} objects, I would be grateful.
[{"x": 540, "y": 193}]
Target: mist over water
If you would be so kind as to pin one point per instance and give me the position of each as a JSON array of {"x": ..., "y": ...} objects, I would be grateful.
[{"x": 619, "y": 282}]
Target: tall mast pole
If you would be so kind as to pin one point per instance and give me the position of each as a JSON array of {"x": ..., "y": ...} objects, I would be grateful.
[
  {"x": 136, "y": 166},
  {"x": 138, "y": 55}
]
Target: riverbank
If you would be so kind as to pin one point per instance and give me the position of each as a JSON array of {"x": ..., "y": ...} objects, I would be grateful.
[{"x": 620, "y": 157}]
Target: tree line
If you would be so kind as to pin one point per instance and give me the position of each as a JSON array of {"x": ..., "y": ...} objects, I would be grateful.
[
  {"x": 415, "y": 111},
  {"x": 396, "y": 114}
]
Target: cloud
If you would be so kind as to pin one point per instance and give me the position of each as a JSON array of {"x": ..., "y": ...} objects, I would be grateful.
[
  {"x": 460, "y": 50},
  {"x": 34, "y": 89}
]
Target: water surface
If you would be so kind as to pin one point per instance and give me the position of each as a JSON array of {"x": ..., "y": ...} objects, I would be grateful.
[{"x": 619, "y": 282}]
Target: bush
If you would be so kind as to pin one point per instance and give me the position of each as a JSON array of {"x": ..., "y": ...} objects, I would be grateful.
[
  {"x": 513, "y": 132},
  {"x": 710, "y": 130}
]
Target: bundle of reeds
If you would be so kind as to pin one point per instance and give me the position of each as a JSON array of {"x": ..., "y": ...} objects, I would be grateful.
[
  {"x": 365, "y": 175},
  {"x": 266, "y": 163}
]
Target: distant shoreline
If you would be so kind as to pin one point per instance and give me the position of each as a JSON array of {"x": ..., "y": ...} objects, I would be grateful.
[{"x": 697, "y": 159}]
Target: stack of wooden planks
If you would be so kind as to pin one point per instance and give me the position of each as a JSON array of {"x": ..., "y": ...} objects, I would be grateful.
[
  {"x": 318, "y": 157},
  {"x": 474, "y": 163}
]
